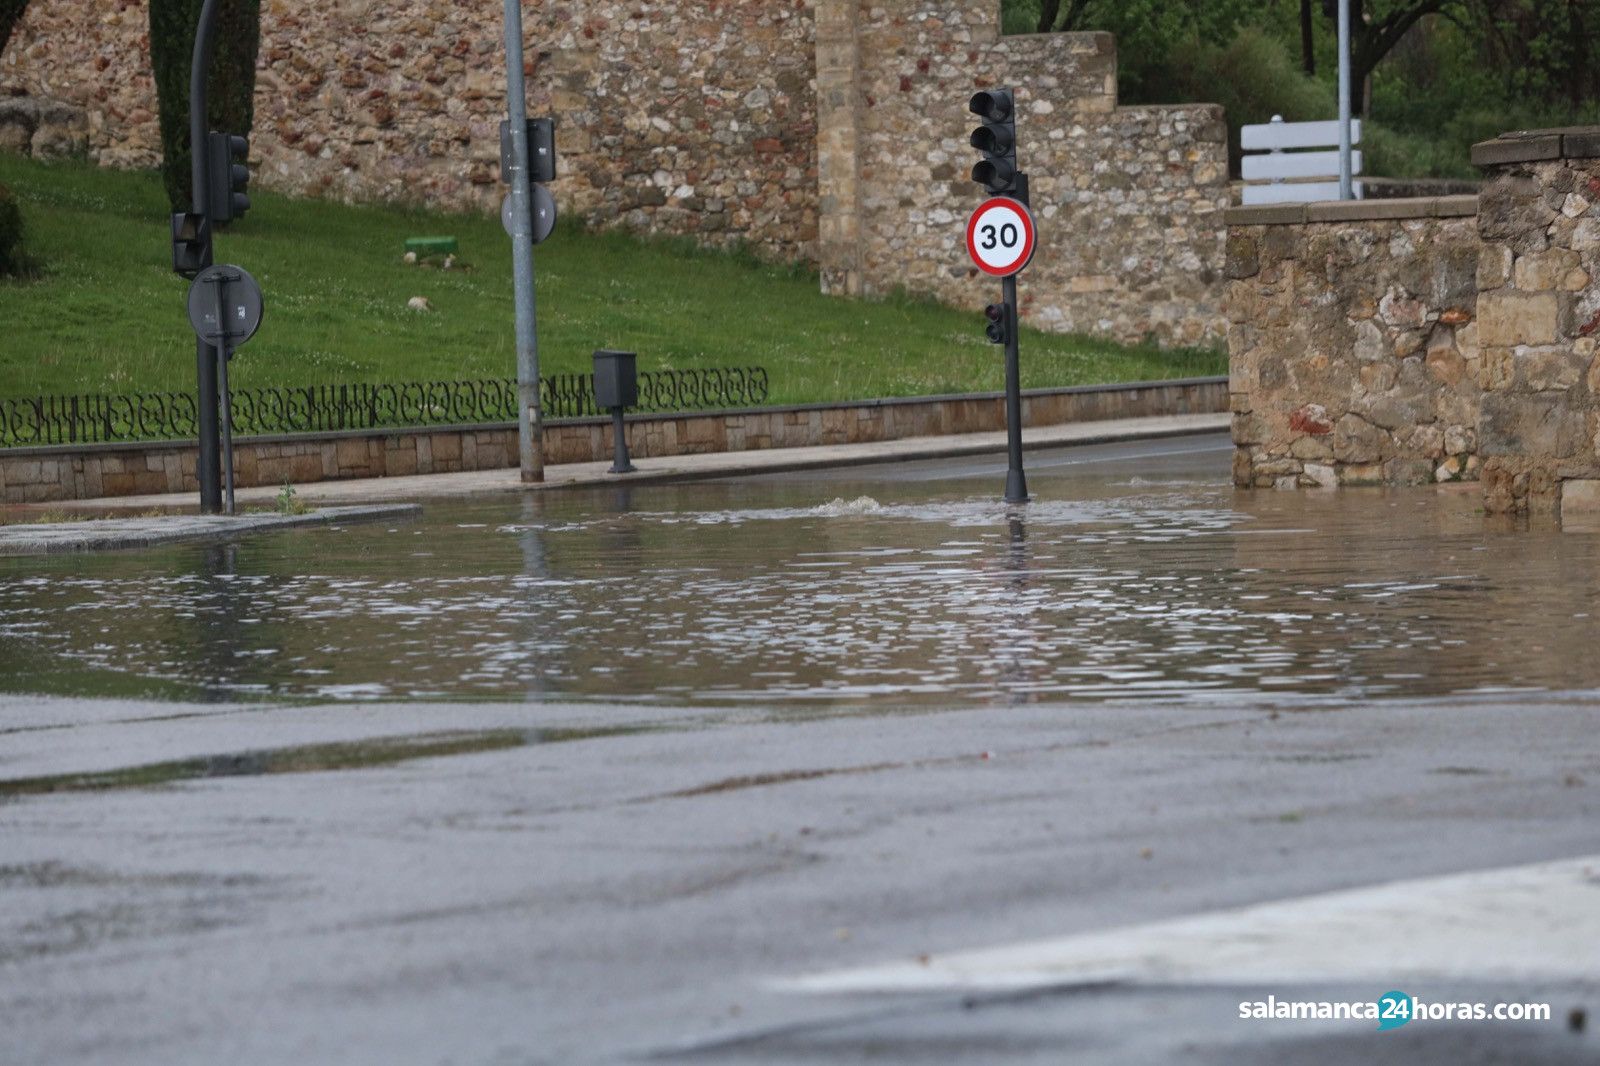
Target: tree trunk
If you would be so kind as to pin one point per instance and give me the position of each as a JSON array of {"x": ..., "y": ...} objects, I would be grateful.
[
  {"x": 1308, "y": 56},
  {"x": 1048, "y": 9}
]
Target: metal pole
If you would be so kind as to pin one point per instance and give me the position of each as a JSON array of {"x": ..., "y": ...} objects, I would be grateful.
[
  {"x": 1346, "y": 192},
  {"x": 227, "y": 428},
  {"x": 225, "y": 398},
  {"x": 619, "y": 444},
  {"x": 207, "y": 466},
  {"x": 530, "y": 429},
  {"x": 1016, "y": 483}
]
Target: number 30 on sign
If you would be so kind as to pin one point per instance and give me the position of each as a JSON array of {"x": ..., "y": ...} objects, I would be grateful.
[{"x": 1001, "y": 236}]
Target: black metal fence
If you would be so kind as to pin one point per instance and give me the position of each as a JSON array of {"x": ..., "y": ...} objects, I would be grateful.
[{"x": 43, "y": 420}]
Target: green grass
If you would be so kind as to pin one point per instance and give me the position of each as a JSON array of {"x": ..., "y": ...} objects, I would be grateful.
[{"x": 107, "y": 313}]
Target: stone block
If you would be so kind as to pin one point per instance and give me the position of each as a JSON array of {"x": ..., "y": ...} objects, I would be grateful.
[
  {"x": 1318, "y": 449},
  {"x": 1494, "y": 266},
  {"x": 1545, "y": 271},
  {"x": 1581, "y": 143},
  {"x": 1507, "y": 319},
  {"x": 446, "y": 448},
  {"x": 1516, "y": 149},
  {"x": 305, "y": 468},
  {"x": 1357, "y": 441},
  {"x": 1368, "y": 210},
  {"x": 1242, "y": 466},
  {"x": 1358, "y": 475},
  {"x": 1545, "y": 368},
  {"x": 1464, "y": 206},
  {"x": 1321, "y": 475},
  {"x": 1459, "y": 440},
  {"x": 1243, "y": 257},
  {"x": 1511, "y": 211},
  {"x": 351, "y": 454},
  {"x": 1266, "y": 215},
  {"x": 1580, "y": 497},
  {"x": 1541, "y": 425},
  {"x": 1408, "y": 472},
  {"x": 26, "y": 472}
]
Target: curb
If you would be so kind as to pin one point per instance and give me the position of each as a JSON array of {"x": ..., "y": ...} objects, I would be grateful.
[
  {"x": 112, "y": 534},
  {"x": 941, "y": 451}
]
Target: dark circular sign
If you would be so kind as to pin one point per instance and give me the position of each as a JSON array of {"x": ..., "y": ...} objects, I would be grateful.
[
  {"x": 543, "y": 211},
  {"x": 235, "y": 293}
]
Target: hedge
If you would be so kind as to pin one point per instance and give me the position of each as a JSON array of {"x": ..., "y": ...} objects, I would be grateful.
[{"x": 230, "y": 83}]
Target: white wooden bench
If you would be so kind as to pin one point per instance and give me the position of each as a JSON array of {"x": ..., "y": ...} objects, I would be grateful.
[{"x": 1295, "y": 177}]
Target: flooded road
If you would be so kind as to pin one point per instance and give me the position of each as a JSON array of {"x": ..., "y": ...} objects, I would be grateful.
[{"x": 1137, "y": 572}]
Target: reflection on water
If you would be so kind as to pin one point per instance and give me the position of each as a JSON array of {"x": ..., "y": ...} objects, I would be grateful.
[{"x": 1143, "y": 579}]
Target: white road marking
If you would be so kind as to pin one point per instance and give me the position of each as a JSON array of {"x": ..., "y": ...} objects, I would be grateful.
[{"x": 1523, "y": 922}]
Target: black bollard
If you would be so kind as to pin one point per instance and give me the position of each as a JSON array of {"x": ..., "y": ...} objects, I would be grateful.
[{"x": 616, "y": 388}]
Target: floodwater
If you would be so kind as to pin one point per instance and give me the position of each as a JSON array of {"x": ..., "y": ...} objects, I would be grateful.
[{"x": 1137, "y": 572}]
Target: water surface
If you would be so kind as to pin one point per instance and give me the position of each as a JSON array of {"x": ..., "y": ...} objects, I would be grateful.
[{"x": 1136, "y": 573}]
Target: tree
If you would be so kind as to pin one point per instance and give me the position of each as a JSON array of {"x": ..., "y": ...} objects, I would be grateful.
[
  {"x": 10, "y": 14},
  {"x": 230, "y": 83},
  {"x": 1049, "y": 10},
  {"x": 1544, "y": 47},
  {"x": 1376, "y": 26}
]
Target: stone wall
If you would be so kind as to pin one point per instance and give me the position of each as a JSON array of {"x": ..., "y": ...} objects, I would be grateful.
[
  {"x": 1539, "y": 313},
  {"x": 831, "y": 131},
  {"x": 1353, "y": 342},
  {"x": 1129, "y": 200},
  {"x": 1399, "y": 342},
  {"x": 42, "y": 128},
  {"x": 67, "y": 472}
]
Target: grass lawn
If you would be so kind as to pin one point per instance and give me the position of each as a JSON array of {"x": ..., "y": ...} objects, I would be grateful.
[{"x": 108, "y": 313}]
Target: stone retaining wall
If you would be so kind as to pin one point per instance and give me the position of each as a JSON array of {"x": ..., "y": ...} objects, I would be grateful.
[
  {"x": 1353, "y": 345},
  {"x": 1539, "y": 313},
  {"x": 29, "y": 475},
  {"x": 1399, "y": 342},
  {"x": 829, "y": 131}
]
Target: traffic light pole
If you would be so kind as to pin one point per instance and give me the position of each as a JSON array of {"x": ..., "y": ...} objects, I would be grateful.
[
  {"x": 208, "y": 467},
  {"x": 1016, "y": 483},
  {"x": 530, "y": 429},
  {"x": 1005, "y": 213}
]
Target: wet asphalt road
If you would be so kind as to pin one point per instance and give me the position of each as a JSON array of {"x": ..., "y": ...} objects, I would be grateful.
[{"x": 625, "y": 896}]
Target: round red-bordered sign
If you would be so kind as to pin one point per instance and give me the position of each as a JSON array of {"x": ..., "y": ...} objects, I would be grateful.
[{"x": 1001, "y": 236}]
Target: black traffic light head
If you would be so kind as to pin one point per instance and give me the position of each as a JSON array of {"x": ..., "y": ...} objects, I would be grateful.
[
  {"x": 999, "y": 318},
  {"x": 996, "y": 139},
  {"x": 227, "y": 175},
  {"x": 191, "y": 243}
]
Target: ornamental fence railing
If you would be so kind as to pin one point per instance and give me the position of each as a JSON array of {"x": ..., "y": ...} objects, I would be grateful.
[{"x": 92, "y": 419}]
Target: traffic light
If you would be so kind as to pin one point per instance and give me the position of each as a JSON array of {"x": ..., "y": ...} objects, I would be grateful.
[
  {"x": 228, "y": 176},
  {"x": 999, "y": 319},
  {"x": 191, "y": 243},
  {"x": 997, "y": 140}
]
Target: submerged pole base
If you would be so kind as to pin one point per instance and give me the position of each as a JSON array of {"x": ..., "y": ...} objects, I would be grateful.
[{"x": 1016, "y": 487}]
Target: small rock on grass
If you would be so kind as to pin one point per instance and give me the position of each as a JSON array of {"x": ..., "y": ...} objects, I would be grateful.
[{"x": 419, "y": 303}]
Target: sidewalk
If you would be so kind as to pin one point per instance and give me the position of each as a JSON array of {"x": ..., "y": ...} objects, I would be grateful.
[{"x": 685, "y": 467}]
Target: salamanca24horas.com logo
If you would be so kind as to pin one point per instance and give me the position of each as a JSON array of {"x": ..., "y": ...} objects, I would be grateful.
[{"x": 1392, "y": 1010}]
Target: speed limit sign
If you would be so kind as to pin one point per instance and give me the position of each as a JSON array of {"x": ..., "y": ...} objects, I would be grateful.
[{"x": 1001, "y": 236}]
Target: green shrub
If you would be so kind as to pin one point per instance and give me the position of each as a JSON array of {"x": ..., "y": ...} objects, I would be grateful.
[
  {"x": 14, "y": 259},
  {"x": 230, "y": 83},
  {"x": 1253, "y": 77}
]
